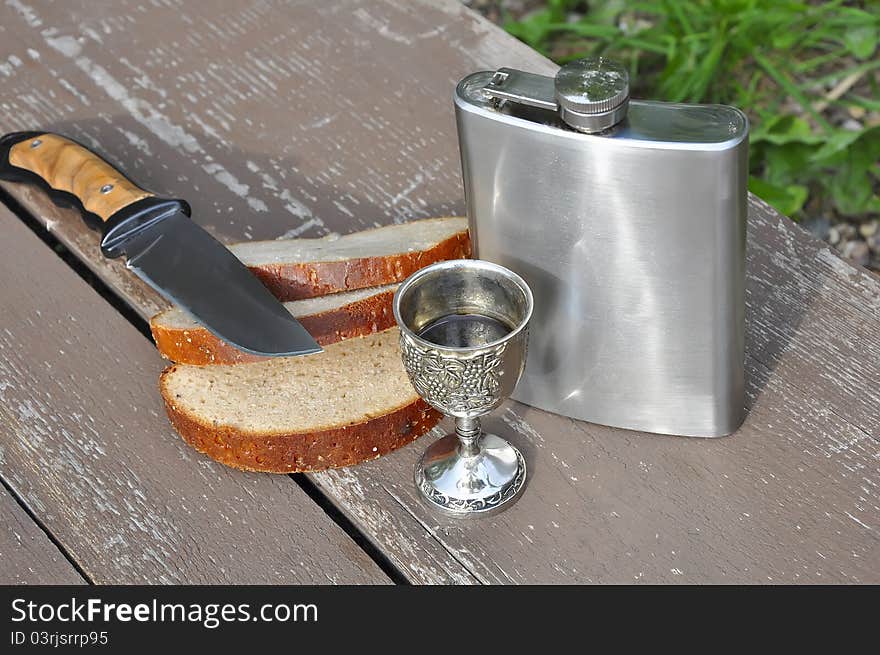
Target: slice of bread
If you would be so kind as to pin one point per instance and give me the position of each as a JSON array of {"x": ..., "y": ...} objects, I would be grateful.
[
  {"x": 293, "y": 269},
  {"x": 329, "y": 319},
  {"x": 351, "y": 403}
]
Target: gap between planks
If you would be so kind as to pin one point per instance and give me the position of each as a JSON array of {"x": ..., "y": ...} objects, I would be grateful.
[
  {"x": 136, "y": 319},
  {"x": 60, "y": 573}
]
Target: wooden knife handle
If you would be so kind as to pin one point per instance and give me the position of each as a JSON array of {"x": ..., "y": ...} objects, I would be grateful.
[{"x": 67, "y": 166}]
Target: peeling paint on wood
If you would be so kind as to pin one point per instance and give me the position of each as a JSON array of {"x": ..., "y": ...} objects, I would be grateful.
[
  {"x": 27, "y": 555},
  {"x": 85, "y": 444}
]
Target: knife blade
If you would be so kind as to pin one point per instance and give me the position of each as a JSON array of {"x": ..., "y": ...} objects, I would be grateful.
[{"x": 161, "y": 243}]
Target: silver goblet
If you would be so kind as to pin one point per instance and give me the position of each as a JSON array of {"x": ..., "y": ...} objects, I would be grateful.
[{"x": 463, "y": 337}]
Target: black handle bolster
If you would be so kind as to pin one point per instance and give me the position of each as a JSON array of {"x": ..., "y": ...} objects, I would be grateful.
[{"x": 130, "y": 221}]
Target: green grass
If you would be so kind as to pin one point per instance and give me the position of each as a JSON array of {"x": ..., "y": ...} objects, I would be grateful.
[{"x": 775, "y": 59}]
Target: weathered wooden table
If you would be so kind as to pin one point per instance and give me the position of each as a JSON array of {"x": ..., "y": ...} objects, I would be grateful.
[{"x": 304, "y": 118}]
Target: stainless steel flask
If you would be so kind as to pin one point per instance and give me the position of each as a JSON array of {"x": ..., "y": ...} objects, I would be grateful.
[{"x": 627, "y": 218}]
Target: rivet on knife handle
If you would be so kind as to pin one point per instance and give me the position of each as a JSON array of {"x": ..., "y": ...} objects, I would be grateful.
[{"x": 67, "y": 166}]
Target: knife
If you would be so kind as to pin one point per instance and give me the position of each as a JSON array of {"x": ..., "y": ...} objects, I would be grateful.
[{"x": 162, "y": 245}]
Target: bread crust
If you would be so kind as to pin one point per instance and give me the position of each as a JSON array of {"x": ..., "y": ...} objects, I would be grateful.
[
  {"x": 296, "y": 281},
  {"x": 300, "y": 452},
  {"x": 198, "y": 346}
]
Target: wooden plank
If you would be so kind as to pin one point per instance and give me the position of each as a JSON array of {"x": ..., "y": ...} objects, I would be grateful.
[
  {"x": 246, "y": 109},
  {"x": 87, "y": 447},
  {"x": 27, "y": 555},
  {"x": 814, "y": 317},
  {"x": 337, "y": 117}
]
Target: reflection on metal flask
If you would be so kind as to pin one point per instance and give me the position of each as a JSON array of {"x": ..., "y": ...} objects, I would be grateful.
[{"x": 627, "y": 219}]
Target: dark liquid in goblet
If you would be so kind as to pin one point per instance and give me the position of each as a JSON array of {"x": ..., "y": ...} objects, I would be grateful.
[{"x": 464, "y": 330}]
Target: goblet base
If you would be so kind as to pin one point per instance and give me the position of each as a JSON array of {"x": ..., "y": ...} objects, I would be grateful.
[{"x": 464, "y": 485}]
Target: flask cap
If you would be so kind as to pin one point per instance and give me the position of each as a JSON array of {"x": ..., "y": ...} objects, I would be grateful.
[{"x": 592, "y": 93}]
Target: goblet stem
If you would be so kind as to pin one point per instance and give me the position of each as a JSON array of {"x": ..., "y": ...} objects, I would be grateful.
[{"x": 469, "y": 433}]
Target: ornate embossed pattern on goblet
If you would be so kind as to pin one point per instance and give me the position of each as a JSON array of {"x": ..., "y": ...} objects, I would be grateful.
[
  {"x": 463, "y": 340},
  {"x": 454, "y": 383}
]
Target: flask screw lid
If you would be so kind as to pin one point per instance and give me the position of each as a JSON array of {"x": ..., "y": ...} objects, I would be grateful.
[{"x": 592, "y": 93}]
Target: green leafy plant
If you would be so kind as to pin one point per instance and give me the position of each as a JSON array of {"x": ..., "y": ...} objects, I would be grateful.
[{"x": 789, "y": 65}]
